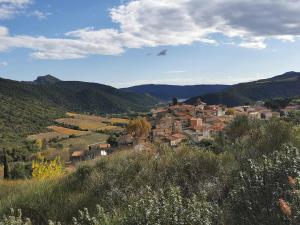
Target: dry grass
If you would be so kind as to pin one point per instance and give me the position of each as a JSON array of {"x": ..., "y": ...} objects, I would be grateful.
[
  {"x": 67, "y": 131},
  {"x": 47, "y": 136},
  {"x": 119, "y": 120}
]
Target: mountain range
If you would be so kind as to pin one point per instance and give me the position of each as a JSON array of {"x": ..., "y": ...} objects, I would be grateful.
[
  {"x": 282, "y": 86},
  {"x": 167, "y": 92}
]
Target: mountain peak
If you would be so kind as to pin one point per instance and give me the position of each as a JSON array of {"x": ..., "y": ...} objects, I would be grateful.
[{"x": 47, "y": 79}]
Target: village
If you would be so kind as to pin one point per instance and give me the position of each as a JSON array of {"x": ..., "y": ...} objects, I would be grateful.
[{"x": 178, "y": 122}]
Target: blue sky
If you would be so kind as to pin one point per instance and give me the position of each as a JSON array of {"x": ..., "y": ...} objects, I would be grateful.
[{"x": 117, "y": 42}]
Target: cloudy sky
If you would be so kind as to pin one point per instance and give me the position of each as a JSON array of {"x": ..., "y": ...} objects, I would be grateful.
[{"x": 129, "y": 42}]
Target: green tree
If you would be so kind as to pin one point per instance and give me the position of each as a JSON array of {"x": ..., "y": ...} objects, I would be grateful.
[
  {"x": 238, "y": 128},
  {"x": 4, "y": 161},
  {"x": 174, "y": 101}
]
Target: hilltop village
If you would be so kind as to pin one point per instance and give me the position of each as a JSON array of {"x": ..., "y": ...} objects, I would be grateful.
[{"x": 178, "y": 122}]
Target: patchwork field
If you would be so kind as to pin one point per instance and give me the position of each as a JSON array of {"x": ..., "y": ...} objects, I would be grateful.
[
  {"x": 67, "y": 131},
  {"x": 83, "y": 132}
]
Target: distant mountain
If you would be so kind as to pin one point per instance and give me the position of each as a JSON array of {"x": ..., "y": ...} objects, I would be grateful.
[
  {"x": 285, "y": 85},
  {"x": 48, "y": 79},
  {"x": 27, "y": 108},
  {"x": 167, "y": 92}
]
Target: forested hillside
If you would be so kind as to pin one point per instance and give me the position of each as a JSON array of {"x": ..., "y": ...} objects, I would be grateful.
[
  {"x": 286, "y": 85},
  {"x": 167, "y": 92}
]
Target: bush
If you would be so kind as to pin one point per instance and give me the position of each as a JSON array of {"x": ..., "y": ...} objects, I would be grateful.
[
  {"x": 263, "y": 187},
  {"x": 21, "y": 171},
  {"x": 168, "y": 208}
]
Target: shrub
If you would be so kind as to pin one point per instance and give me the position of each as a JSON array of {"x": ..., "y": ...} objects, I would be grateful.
[
  {"x": 264, "y": 188},
  {"x": 168, "y": 208}
]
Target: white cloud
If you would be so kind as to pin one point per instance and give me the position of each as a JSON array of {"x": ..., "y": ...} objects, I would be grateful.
[
  {"x": 9, "y": 8},
  {"x": 152, "y": 23},
  {"x": 40, "y": 15}
]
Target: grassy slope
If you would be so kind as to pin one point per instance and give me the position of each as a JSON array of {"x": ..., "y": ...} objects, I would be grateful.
[{"x": 115, "y": 179}]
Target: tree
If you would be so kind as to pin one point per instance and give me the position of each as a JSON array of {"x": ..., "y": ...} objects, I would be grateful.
[
  {"x": 174, "y": 101},
  {"x": 237, "y": 128},
  {"x": 4, "y": 161},
  {"x": 277, "y": 103},
  {"x": 139, "y": 128},
  {"x": 112, "y": 140}
]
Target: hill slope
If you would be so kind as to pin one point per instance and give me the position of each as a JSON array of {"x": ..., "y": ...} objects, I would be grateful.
[
  {"x": 27, "y": 108},
  {"x": 167, "y": 92},
  {"x": 286, "y": 85}
]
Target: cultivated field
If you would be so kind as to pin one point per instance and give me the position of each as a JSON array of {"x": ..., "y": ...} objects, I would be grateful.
[
  {"x": 92, "y": 123},
  {"x": 85, "y": 124},
  {"x": 85, "y": 140},
  {"x": 67, "y": 131}
]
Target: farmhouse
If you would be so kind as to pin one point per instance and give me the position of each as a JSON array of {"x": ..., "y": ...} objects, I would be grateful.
[{"x": 78, "y": 156}]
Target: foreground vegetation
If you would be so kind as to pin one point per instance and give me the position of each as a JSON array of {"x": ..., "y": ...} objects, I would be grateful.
[{"x": 248, "y": 176}]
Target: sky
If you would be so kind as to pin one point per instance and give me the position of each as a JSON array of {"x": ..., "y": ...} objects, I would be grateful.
[{"x": 130, "y": 42}]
